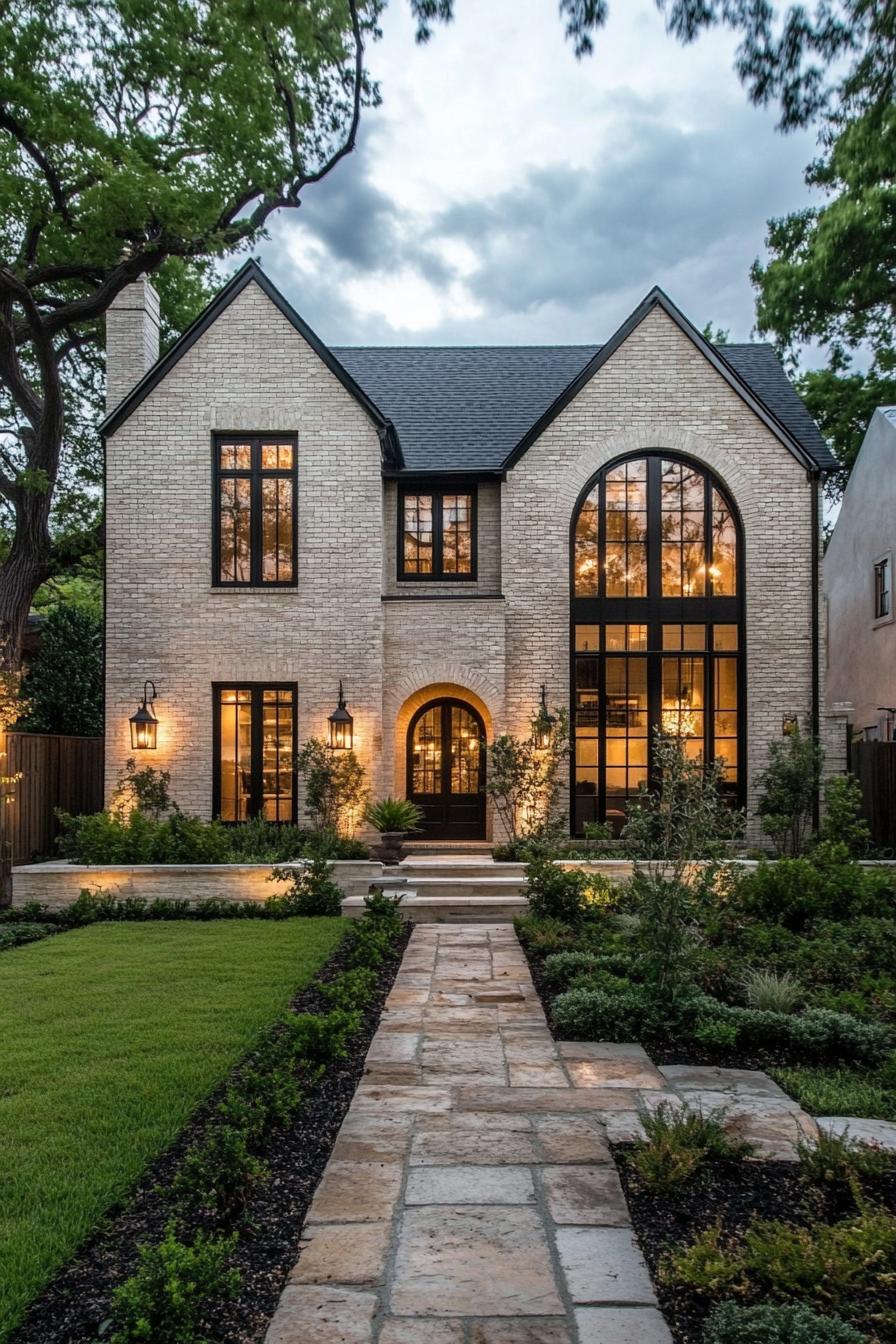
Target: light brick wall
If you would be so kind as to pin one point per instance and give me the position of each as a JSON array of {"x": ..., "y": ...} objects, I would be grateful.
[
  {"x": 348, "y": 617},
  {"x": 250, "y": 370},
  {"x": 132, "y": 335},
  {"x": 488, "y": 567},
  {"x": 657, "y": 391}
]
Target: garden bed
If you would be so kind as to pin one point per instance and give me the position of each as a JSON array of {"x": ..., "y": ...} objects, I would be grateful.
[
  {"x": 732, "y": 1195},
  {"x": 75, "y": 1305}
]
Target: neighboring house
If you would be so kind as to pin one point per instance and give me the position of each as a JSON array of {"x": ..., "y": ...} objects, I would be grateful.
[
  {"x": 635, "y": 526},
  {"x": 858, "y": 586}
]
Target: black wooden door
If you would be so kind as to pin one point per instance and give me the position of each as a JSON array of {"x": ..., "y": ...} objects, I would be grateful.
[{"x": 446, "y": 770}]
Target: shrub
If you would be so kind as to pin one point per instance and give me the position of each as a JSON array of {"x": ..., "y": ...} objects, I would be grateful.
[
  {"x": 732, "y": 1323},
  {"x": 217, "y": 1175},
  {"x": 771, "y": 991},
  {"x": 64, "y": 686},
  {"x": 394, "y": 814},
  {"x": 319, "y": 1038},
  {"x": 16, "y": 935},
  {"x": 312, "y": 890},
  {"x": 166, "y": 1300},
  {"x": 554, "y": 892},
  {"x": 383, "y": 911},
  {"x": 842, "y": 821},
  {"x": 335, "y": 792},
  {"x": 677, "y": 1140},
  {"x": 543, "y": 936},
  {"x": 830, "y": 1262},
  {"x": 144, "y": 788},
  {"x": 837, "y": 1160},
  {"x": 524, "y": 778},
  {"x": 788, "y": 789},
  {"x": 562, "y": 968},
  {"x": 351, "y": 990},
  {"x": 827, "y": 886},
  {"x": 840, "y": 1091}
]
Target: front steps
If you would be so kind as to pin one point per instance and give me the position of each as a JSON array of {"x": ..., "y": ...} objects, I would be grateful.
[{"x": 452, "y": 888}]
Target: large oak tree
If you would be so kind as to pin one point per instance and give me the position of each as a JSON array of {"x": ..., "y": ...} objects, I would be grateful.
[{"x": 150, "y": 137}]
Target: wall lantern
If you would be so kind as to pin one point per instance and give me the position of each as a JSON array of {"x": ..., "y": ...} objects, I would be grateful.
[
  {"x": 144, "y": 723},
  {"x": 790, "y": 724},
  {"x": 544, "y": 722},
  {"x": 341, "y": 726}
]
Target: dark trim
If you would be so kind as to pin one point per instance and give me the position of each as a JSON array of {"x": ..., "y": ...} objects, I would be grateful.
[
  {"x": 447, "y": 487},
  {"x": 442, "y": 597},
  {"x": 247, "y": 274},
  {"x": 483, "y": 474},
  {"x": 256, "y": 687},
  {"x": 815, "y": 494},
  {"x": 657, "y": 299},
  {"x": 255, "y": 475},
  {"x": 654, "y": 612}
]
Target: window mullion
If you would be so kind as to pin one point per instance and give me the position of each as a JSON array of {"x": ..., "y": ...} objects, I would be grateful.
[
  {"x": 256, "y": 794},
  {"x": 437, "y": 549}
]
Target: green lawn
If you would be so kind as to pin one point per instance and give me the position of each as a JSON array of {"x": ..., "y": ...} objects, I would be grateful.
[{"x": 109, "y": 1037}]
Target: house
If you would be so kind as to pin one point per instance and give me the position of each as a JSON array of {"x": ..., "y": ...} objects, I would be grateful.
[
  {"x": 858, "y": 587},
  {"x": 442, "y": 532}
]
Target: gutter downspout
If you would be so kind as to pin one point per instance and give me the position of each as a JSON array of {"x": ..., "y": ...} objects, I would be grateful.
[{"x": 816, "y": 639}]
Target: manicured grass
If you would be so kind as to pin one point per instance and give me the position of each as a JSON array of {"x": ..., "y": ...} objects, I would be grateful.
[
  {"x": 857, "y": 1092},
  {"x": 109, "y": 1038}
]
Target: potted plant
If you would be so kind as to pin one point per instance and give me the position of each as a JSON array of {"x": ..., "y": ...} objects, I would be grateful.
[{"x": 394, "y": 818}]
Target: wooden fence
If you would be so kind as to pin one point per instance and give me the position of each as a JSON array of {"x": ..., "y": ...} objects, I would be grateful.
[
  {"x": 874, "y": 765},
  {"x": 64, "y": 772}
]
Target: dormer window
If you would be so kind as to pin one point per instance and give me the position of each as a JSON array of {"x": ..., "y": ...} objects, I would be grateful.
[
  {"x": 254, "y": 511},
  {"x": 437, "y": 533}
]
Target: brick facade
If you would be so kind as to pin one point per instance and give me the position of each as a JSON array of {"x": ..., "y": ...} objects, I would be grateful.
[{"x": 494, "y": 641}]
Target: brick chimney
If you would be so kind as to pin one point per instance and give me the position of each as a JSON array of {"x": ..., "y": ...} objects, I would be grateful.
[{"x": 132, "y": 339}]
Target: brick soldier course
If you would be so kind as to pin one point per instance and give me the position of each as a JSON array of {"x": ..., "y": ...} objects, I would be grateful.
[{"x": 471, "y": 1196}]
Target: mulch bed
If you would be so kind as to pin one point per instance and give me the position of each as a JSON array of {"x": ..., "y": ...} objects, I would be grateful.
[
  {"x": 74, "y": 1305},
  {"x": 733, "y": 1192}
]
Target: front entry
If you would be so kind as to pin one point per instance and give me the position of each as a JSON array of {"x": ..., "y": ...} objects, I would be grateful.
[{"x": 446, "y": 770}]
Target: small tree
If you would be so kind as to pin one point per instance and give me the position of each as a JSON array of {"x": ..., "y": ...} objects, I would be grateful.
[
  {"x": 789, "y": 787},
  {"x": 523, "y": 778},
  {"x": 65, "y": 684},
  {"x": 145, "y": 790},
  {"x": 335, "y": 791},
  {"x": 843, "y": 823},
  {"x": 684, "y": 819}
]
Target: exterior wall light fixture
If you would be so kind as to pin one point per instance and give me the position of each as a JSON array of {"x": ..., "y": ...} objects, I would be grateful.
[
  {"x": 144, "y": 724},
  {"x": 544, "y": 722},
  {"x": 341, "y": 726}
]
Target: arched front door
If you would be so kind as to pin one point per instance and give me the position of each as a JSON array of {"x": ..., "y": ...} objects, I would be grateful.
[{"x": 446, "y": 770}]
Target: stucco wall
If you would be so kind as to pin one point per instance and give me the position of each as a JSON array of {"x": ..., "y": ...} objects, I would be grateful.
[{"x": 862, "y": 651}]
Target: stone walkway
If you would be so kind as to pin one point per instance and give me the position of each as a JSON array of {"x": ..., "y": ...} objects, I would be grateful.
[{"x": 471, "y": 1196}]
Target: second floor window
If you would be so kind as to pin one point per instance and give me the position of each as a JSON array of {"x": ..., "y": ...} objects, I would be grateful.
[
  {"x": 437, "y": 534},
  {"x": 882, "y": 597},
  {"x": 255, "y": 510}
]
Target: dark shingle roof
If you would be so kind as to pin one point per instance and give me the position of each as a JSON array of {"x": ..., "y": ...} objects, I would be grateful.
[{"x": 465, "y": 408}]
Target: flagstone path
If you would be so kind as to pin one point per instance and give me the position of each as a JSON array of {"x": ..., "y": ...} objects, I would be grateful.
[{"x": 471, "y": 1196}]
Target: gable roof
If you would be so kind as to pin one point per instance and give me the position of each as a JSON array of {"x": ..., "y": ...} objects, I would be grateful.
[
  {"x": 476, "y": 409},
  {"x": 250, "y": 272}
]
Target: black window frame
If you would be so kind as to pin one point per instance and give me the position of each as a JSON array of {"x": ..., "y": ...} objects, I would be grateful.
[
  {"x": 256, "y": 474},
  {"x": 257, "y": 688},
  {"x": 654, "y": 611},
  {"x": 438, "y": 491},
  {"x": 883, "y": 591}
]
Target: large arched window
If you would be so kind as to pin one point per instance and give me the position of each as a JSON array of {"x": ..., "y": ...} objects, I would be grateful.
[{"x": 657, "y": 627}]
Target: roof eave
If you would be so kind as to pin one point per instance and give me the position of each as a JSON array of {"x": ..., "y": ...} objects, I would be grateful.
[
  {"x": 250, "y": 272},
  {"x": 657, "y": 298}
]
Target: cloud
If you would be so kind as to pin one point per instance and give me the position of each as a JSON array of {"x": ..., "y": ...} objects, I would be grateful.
[{"x": 517, "y": 196}]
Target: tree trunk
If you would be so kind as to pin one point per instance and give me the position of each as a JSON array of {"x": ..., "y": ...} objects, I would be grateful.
[{"x": 25, "y": 569}]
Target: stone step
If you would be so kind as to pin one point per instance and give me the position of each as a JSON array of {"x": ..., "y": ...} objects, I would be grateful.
[
  {"x": 462, "y": 869},
  {"x": 452, "y": 847},
  {"x": 456, "y": 887},
  {"x": 430, "y": 909}
]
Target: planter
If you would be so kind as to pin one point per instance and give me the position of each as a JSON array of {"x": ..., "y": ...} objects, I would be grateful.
[
  {"x": 391, "y": 847},
  {"x": 59, "y": 883}
]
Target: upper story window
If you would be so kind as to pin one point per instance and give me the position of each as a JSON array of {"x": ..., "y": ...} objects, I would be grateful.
[
  {"x": 437, "y": 534},
  {"x": 254, "y": 510},
  {"x": 883, "y": 599}
]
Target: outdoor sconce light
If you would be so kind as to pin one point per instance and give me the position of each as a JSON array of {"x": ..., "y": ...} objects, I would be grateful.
[
  {"x": 144, "y": 723},
  {"x": 789, "y": 725},
  {"x": 544, "y": 723},
  {"x": 341, "y": 726}
]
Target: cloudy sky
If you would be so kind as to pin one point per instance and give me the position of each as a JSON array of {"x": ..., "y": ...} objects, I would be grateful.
[{"x": 505, "y": 192}]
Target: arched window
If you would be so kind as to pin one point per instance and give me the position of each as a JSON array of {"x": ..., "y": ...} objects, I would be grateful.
[{"x": 657, "y": 624}]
